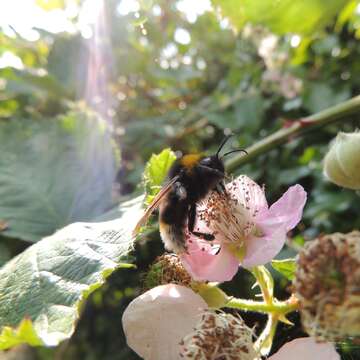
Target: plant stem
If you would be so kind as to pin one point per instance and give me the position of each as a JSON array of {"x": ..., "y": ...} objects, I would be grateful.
[
  {"x": 264, "y": 342},
  {"x": 300, "y": 127},
  {"x": 265, "y": 282},
  {"x": 277, "y": 307}
]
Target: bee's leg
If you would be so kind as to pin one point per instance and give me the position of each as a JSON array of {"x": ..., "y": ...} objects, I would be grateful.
[
  {"x": 191, "y": 224},
  {"x": 220, "y": 188}
]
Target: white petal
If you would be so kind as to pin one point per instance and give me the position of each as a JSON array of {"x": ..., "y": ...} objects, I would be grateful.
[
  {"x": 248, "y": 193},
  {"x": 306, "y": 349},
  {"x": 155, "y": 322}
]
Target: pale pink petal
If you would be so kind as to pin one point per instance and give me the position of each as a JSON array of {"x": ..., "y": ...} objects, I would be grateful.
[
  {"x": 287, "y": 210},
  {"x": 306, "y": 349},
  {"x": 261, "y": 250},
  {"x": 248, "y": 193},
  {"x": 274, "y": 223},
  {"x": 155, "y": 322},
  {"x": 204, "y": 264}
]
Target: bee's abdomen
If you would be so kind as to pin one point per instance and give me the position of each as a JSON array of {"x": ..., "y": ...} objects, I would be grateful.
[
  {"x": 173, "y": 237},
  {"x": 172, "y": 223}
]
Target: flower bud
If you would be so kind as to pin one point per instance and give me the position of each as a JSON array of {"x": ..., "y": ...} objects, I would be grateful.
[
  {"x": 327, "y": 284},
  {"x": 219, "y": 336},
  {"x": 165, "y": 270},
  {"x": 342, "y": 162}
]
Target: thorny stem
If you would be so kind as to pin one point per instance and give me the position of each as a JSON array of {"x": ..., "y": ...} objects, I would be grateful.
[
  {"x": 270, "y": 305},
  {"x": 277, "y": 307},
  {"x": 297, "y": 128}
]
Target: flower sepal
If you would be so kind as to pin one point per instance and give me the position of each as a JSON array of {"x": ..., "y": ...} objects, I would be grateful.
[{"x": 213, "y": 296}]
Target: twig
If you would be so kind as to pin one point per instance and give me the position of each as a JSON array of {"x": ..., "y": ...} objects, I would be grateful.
[{"x": 298, "y": 128}]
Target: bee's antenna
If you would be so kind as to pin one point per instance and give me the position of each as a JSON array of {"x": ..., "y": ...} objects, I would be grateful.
[
  {"x": 232, "y": 151},
  {"x": 222, "y": 145}
]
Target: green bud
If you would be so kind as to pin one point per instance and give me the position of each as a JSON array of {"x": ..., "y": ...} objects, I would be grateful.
[{"x": 342, "y": 162}]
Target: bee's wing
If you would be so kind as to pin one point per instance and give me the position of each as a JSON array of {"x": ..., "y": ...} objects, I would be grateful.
[{"x": 154, "y": 204}]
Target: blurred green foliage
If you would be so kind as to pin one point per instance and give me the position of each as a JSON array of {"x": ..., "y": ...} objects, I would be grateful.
[{"x": 160, "y": 77}]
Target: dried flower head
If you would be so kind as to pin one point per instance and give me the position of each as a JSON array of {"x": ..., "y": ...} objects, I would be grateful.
[
  {"x": 219, "y": 336},
  {"x": 327, "y": 284},
  {"x": 167, "y": 269}
]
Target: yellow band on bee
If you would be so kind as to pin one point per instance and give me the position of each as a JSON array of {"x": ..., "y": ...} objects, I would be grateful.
[{"x": 190, "y": 160}]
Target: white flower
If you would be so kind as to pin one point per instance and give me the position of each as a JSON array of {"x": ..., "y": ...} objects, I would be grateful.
[{"x": 155, "y": 322}]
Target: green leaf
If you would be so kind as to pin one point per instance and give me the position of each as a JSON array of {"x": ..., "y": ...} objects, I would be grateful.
[
  {"x": 286, "y": 267},
  {"x": 5, "y": 254},
  {"x": 63, "y": 68},
  {"x": 155, "y": 172},
  {"x": 53, "y": 173},
  {"x": 281, "y": 16},
  {"x": 140, "y": 21},
  {"x": 50, "y": 4},
  {"x": 250, "y": 112},
  {"x": 32, "y": 82},
  {"x": 320, "y": 96},
  {"x": 24, "y": 333},
  {"x": 49, "y": 281}
]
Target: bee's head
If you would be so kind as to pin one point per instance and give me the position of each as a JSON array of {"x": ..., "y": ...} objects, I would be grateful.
[
  {"x": 216, "y": 162},
  {"x": 213, "y": 162}
]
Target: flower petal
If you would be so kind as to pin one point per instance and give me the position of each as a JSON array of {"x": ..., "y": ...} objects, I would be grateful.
[
  {"x": 155, "y": 322},
  {"x": 203, "y": 264},
  {"x": 248, "y": 193},
  {"x": 274, "y": 223},
  {"x": 261, "y": 250},
  {"x": 306, "y": 348},
  {"x": 288, "y": 209}
]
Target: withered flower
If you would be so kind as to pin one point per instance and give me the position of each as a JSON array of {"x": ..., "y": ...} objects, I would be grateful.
[
  {"x": 219, "y": 336},
  {"x": 327, "y": 284},
  {"x": 167, "y": 269}
]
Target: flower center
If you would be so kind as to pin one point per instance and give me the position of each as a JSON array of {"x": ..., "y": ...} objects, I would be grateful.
[
  {"x": 219, "y": 336},
  {"x": 229, "y": 219}
]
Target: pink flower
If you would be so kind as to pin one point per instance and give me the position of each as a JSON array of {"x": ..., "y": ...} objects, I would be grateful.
[
  {"x": 155, "y": 322},
  {"x": 306, "y": 348},
  {"x": 246, "y": 230}
]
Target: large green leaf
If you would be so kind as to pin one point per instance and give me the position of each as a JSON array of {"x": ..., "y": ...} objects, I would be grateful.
[
  {"x": 282, "y": 16},
  {"x": 53, "y": 173},
  {"x": 48, "y": 282},
  {"x": 32, "y": 82}
]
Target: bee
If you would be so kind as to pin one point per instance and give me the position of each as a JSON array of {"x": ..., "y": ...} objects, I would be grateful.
[{"x": 190, "y": 179}]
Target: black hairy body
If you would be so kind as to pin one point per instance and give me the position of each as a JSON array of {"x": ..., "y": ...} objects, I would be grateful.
[
  {"x": 195, "y": 176},
  {"x": 190, "y": 179}
]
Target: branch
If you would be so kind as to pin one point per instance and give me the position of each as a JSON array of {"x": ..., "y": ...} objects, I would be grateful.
[{"x": 298, "y": 128}]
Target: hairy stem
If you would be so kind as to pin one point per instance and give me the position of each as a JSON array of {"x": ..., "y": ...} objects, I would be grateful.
[
  {"x": 277, "y": 307},
  {"x": 297, "y": 128}
]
